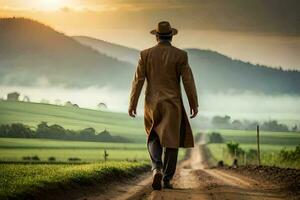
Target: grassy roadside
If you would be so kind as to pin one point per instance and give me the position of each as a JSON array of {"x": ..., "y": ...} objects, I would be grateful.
[
  {"x": 25, "y": 180},
  {"x": 269, "y": 155},
  {"x": 271, "y": 143}
]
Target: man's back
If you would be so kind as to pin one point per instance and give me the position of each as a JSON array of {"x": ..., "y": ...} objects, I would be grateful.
[{"x": 162, "y": 69}]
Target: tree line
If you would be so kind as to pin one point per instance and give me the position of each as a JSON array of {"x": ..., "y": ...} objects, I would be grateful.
[
  {"x": 271, "y": 125},
  {"x": 55, "y": 131}
]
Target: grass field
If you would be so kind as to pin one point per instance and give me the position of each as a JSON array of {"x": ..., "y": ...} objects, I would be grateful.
[
  {"x": 20, "y": 180},
  {"x": 249, "y": 137},
  {"x": 13, "y": 149},
  {"x": 72, "y": 118},
  {"x": 270, "y": 144}
]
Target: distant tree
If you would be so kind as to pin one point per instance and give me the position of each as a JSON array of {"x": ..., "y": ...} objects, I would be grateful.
[
  {"x": 221, "y": 122},
  {"x": 68, "y": 104},
  {"x": 237, "y": 124},
  {"x": 16, "y": 130},
  {"x": 273, "y": 125},
  {"x": 251, "y": 125},
  {"x": 295, "y": 128},
  {"x": 215, "y": 137},
  {"x": 102, "y": 106},
  {"x": 42, "y": 130},
  {"x": 26, "y": 99},
  {"x": 104, "y": 136},
  {"x": 56, "y": 132},
  {"x": 87, "y": 134},
  {"x": 20, "y": 130},
  {"x": 4, "y": 130}
]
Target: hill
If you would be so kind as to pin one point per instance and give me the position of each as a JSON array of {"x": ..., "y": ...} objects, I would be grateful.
[
  {"x": 72, "y": 118},
  {"x": 114, "y": 50},
  {"x": 37, "y": 54},
  {"x": 215, "y": 72}
]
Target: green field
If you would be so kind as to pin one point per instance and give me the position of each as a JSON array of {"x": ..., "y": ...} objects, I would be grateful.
[
  {"x": 72, "y": 118},
  {"x": 19, "y": 180},
  {"x": 18, "y": 177},
  {"x": 13, "y": 149},
  {"x": 270, "y": 144},
  {"x": 249, "y": 137}
]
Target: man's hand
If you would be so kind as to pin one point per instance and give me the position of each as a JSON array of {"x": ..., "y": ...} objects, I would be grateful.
[
  {"x": 132, "y": 112},
  {"x": 194, "y": 112}
]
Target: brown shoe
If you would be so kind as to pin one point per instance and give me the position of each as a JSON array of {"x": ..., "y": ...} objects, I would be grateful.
[{"x": 157, "y": 177}]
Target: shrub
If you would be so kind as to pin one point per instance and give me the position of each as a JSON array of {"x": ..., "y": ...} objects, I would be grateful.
[
  {"x": 252, "y": 154},
  {"x": 35, "y": 158},
  {"x": 74, "y": 159},
  {"x": 215, "y": 137},
  {"x": 26, "y": 158},
  {"x": 290, "y": 155},
  {"x": 233, "y": 147},
  {"x": 52, "y": 159}
]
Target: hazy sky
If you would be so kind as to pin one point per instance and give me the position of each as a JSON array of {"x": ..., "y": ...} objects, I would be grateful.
[{"x": 259, "y": 31}]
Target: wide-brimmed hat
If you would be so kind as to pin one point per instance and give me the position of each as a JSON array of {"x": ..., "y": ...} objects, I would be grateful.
[{"x": 164, "y": 29}]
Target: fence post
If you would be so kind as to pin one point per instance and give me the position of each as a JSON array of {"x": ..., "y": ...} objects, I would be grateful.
[
  {"x": 105, "y": 155},
  {"x": 235, "y": 153},
  {"x": 258, "y": 147},
  {"x": 245, "y": 158}
]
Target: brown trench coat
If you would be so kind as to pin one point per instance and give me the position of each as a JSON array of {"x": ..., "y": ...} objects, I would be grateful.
[{"x": 162, "y": 66}]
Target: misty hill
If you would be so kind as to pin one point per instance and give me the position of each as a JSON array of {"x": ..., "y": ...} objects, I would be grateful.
[
  {"x": 32, "y": 53},
  {"x": 36, "y": 54},
  {"x": 114, "y": 50},
  {"x": 216, "y": 72}
]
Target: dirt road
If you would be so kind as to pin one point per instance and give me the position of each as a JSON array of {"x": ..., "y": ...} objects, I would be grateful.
[{"x": 194, "y": 181}]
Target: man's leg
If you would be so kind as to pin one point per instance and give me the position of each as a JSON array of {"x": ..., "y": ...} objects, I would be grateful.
[
  {"x": 155, "y": 150},
  {"x": 170, "y": 162}
]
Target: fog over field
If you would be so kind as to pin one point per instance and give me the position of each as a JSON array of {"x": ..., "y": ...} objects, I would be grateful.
[{"x": 284, "y": 108}]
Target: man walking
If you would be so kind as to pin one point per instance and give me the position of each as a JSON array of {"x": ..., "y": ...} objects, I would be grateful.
[{"x": 166, "y": 122}]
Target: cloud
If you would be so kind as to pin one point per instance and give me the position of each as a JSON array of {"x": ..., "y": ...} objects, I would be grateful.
[{"x": 259, "y": 16}]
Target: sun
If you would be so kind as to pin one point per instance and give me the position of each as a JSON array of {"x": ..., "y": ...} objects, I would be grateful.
[{"x": 51, "y": 4}]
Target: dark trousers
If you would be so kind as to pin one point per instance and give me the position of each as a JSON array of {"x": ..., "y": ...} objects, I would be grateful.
[{"x": 155, "y": 149}]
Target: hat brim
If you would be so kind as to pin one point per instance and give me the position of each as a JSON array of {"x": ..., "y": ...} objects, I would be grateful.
[{"x": 174, "y": 32}]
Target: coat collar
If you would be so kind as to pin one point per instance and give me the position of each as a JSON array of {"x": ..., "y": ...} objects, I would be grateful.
[{"x": 164, "y": 43}]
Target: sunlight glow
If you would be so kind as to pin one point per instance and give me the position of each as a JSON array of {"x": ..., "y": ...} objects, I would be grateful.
[{"x": 51, "y": 4}]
